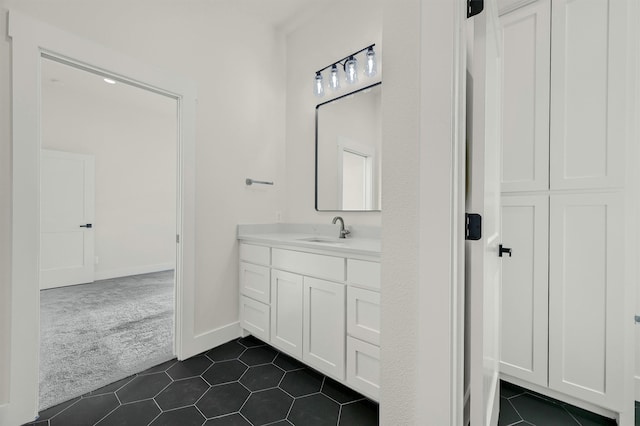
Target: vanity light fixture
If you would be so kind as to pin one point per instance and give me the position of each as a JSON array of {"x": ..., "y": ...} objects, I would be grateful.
[
  {"x": 334, "y": 80},
  {"x": 319, "y": 87},
  {"x": 351, "y": 70},
  {"x": 109, "y": 80},
  {"x": 370, "y": 68},
  {"x": 349, "y": 65}
]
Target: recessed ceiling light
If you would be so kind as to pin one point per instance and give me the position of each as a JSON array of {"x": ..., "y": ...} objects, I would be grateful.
[{"x": 109, "y": 80}]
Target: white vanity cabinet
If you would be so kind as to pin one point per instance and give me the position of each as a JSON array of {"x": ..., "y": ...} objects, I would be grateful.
[
  {"x": 563, "y": 291},
  {"x": 321, "y": 307}
]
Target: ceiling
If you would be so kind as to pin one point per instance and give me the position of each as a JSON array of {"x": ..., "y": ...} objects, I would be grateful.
[
  {"x": 282, "y": 14},
  {"x": 285, "y": 15}
]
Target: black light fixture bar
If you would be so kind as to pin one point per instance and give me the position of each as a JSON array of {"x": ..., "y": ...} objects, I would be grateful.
[{"x": 344, "y": 60}]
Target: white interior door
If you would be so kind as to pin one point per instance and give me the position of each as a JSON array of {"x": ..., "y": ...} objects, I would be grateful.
[
  {"x": 66, "y": 216},
  {"x": 483, "y": 197}
]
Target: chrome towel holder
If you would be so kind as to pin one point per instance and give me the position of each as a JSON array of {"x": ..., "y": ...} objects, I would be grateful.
[{"x": 250, "y": 182}]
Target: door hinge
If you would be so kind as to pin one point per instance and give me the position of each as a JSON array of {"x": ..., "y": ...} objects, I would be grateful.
[
  {"x": 474, "y": 7},
  {"x": 637, "y": 317},
  {"x": 177, "y": 238},
  {"x": 473, "y": 227}
]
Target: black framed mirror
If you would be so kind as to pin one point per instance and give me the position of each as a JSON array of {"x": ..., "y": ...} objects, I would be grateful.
[{"x": 348, "y": 151}]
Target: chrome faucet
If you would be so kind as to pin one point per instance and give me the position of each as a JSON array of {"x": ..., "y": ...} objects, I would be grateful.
[{"x": 343, "y": 232}]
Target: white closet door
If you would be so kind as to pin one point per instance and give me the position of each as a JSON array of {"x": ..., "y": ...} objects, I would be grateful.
[
  {"x": 525, "y": 97},
  {"x": 67, "y": 204},
  {"x": 586, "y": 297},
  {"x": 525, "y": 288},
  {"x": 588, "y": 93}
]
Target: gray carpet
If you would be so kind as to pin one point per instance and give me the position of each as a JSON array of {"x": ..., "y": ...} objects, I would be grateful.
[{"x": 98, "y": 333}]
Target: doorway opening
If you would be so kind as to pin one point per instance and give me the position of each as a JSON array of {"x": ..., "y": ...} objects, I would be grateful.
[{"x": 108, "y": 210}]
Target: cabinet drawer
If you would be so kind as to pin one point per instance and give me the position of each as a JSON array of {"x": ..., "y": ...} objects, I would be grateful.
[
  {"x": 255, "y": 281},
  {"x": 315, "y": 265},
  {"x": 254, "y": 317},
  {"x": 363, "y": 367},
  {"x": 363, "y": 314},
  {"x": 255, "y": 254},
  {"x": 361, "y": 272}
]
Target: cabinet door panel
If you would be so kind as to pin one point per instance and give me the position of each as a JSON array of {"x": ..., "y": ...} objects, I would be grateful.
[
  {"x": 254, "y": 281},
  {"x": 363, "y": 314},
  {"x": 286, "y": 312},
  {"x": 525, "y": 97},
  {"x": 588, "y": 93},
  {"x": 324, "y": 326},
  {"x": 254, "y": 317},
  {"x": 525, "y": 289},
  {"x": 363, "y": 273},
  {"x": 363, "y": 367},
  {"x": 586, "y": 296}
]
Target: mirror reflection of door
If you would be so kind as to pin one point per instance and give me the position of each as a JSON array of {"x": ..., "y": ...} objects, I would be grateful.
[{"x": 355, "y": 180}]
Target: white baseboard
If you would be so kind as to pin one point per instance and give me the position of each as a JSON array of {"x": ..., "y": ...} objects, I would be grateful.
[
  {"x": 205, "y": 341},
  {"x": 10, "y": 416},
  {"x": 636, "y": 380},
  {"x": 136, "y": 270}
]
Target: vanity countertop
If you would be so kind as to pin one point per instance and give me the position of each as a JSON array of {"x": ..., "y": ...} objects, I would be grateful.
[{"x": 363, "y": 240}]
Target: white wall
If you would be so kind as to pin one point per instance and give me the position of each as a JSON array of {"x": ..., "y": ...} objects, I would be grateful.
[
  {"x": 237, "y": 63},
  {"x": 329, "y": 36},
  {"x": 418, "y": 268},
  {"x": 132, "y": 134}
]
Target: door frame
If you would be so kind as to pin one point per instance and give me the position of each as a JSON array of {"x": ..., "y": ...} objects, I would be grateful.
[{"x": 31, "y": 40}]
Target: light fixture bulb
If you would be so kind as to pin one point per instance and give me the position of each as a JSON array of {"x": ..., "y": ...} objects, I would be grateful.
[
  {"x": 351, "y": 70},
  {"x": 370, "y": 68},
  {"x": 318, "y": 88},
  {"x": 109, "y": 80},
  {"x": 334, "y": 81}
]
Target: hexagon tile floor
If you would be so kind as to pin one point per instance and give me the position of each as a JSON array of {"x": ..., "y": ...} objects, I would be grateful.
[
  {"x": 243, "y": 382},
  {"x": 521, "y": 407}
]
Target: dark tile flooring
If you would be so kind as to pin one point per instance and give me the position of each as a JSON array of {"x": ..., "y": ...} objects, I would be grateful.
[
  {"x": 522, "y": 407},
  {"x": 243, "y": 382}
]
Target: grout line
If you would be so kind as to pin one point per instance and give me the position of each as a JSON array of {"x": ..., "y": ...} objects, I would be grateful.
[
  {"x": 571, "y": 415},
  {"x": 106, "y": 415},
  {"x": 516, "y": 411},
  {"x": 157, "y": 415},
  {"x": 243, "y": 416}
]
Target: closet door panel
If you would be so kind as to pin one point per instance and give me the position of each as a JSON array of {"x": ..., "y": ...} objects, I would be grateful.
[
  {"x": 588, "y": 93},
  {"x": 586, "y": 296},
  {"x": 525, "y": 288},
  {"x": 525, "y": 98}
]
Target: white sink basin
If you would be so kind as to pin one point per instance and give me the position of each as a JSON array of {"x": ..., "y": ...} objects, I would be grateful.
[{"x": 322, "y": 240}]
